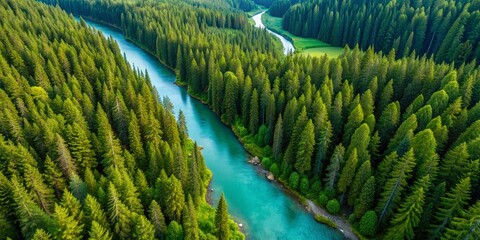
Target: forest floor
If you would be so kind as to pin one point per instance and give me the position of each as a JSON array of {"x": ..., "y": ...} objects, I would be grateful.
[{"x": 305, "y": 46}]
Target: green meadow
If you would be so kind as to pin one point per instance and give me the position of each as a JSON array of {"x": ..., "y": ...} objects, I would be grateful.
[{"x": 306, "y": 46}]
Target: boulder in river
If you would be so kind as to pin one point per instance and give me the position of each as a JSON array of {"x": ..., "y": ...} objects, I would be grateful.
[
  {"x": 254, "y": 161},
  {"x": 270, "y": 176}
]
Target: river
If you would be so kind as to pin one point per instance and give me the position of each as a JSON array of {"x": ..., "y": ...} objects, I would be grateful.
[
  {"x": 287, "y": 45},
  {"x": 265, "y": 211}
]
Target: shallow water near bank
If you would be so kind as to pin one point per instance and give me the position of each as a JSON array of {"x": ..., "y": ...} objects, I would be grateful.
[{"x": 265, "y": 211}]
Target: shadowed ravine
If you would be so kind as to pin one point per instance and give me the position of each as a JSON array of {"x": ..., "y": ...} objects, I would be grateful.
[{"x": 265, "y": 211}]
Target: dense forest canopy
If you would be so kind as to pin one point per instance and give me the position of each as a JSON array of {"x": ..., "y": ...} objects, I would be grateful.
[
  {"x": 87, "y": 148},
  {"x": 447, "y": 29},
  {"x": 391, "y": 138}
]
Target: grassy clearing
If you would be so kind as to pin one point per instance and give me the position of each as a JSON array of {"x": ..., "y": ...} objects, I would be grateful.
[
  {"x": 320, "y": 51},
  {"x": 306, "y": 46}
]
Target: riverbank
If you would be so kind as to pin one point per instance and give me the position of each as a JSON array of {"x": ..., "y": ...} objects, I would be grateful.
[{"x": 304, "y": 46}]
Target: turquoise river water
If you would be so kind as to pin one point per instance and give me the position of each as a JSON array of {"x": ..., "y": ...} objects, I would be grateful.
[{"x": 265, "y": 211}]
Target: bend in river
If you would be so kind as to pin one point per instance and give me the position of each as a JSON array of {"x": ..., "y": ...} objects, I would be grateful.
[
  {"x": 287, "y": 45},
  {"x": 265, "y": 211}
]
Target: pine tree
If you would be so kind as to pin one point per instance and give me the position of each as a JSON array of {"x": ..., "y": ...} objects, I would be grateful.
[
  {"x": 221, "y": 220},
  {"x": 73, "y": 206},
  {"x": 68, "y": 226},
  {"x": 391, "y": 195},
  {"x": 348, "y": 172},
  {"x": 323, "y": 144},
  {"x": 388, "y": 122},
  {"x": 190, "y": 220},
  {"x": 366, "y": 197},
  {"x": 78, "y": 188},
  {"x": 333, "y": 169},
  {"x": 355, "y": 119},
  {"x": 254, "y": 114},
  {"x": 367, "y": 102},
  {"x": 40, "y": 234},
  {"x": 30, "y": 216},
  {"x": 424, "y": 147},
  {"x": 385, "y": 97},
  {"x": 424, "y": 116},
  {"x": 305, "y": 149},
  {"x": 277, "y": 138},
  {"x": 99, "y": 232},
  {"x": 53, "y": 177},
  {"x": 360, "y": 141},
  {"x": 193, "y": 185},
  {"x": 142, "y": 229},
  {"x": 64, "y": 158},
  {"x": 174, "y": 231},
  {"x": 94, "y": 213},
  {"x": 41, "y": 194},
  {"x": 111, "y": 149},
  {"x": 230, "y": 98},
  {"x": 80, "y": 147},
  {"x": 174, "y": 199},
  {"x": 407, "y": 217},
  {"x": 402, "y": 131},
  {"x": 120, "y": 216},
  {"x": 157, "y": 219},
  {"x": 136, "y": 146},
  {"x": 361, "y": 177},
  {"x": 246, "y": 95},
  {"x": 465, "y": 226},
  {"x": 450, "y": 206},
  {"x": 439, "y": 131},
  {"x": 454, "y": 164}
]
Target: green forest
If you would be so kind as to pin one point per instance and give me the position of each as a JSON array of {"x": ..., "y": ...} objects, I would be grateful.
[
  {"x": 448, "y": 30},
  {"x": 88, "y": 150},
  {"x": 387, "y": 134}
]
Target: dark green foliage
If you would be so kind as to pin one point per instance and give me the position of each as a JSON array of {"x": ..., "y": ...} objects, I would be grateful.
[
  {"x": 157, "y": 219},
  {"x": 333, "y": 206},
  {"x": 366, "y": 198},
  {"x": 426, "y": 27},
  {"x": 391, "y": 195},
  {"x": 348, "y": 172},
  {"x": 97, "y": 232},
  {"x": 322, "y": 199},
  {"x": 408, "y": 216},
  {"x": 174, "y": 231},
  {"x": 450, "y": 206},
  {"x": 368, "y": 223},
  {"x": 407, "y": 116},
  {"x": 221, "y": 220},
  {"x": 294, "y": 180},
  {"x": 74, "y": 158},
  {"x": 361, "y": 177}
]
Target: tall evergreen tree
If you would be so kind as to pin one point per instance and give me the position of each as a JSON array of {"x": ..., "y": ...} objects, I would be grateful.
[
  {"x": 221, "y": 220},
  {"x": 305, "y": 149},
  {"x": 450, "y": 206},
  {"x": 391, "y": 195},
  {"x": 348, "y": 172},
  {"x": 333, "y": 169}
]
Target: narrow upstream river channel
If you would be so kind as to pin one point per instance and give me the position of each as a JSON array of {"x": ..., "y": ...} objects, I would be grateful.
[
  {"x": 265, "y": 211},
  {"x": 287, "y": 45}
]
